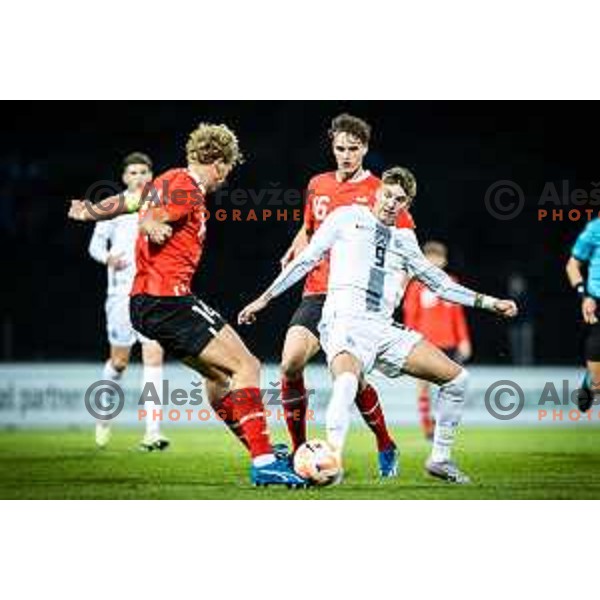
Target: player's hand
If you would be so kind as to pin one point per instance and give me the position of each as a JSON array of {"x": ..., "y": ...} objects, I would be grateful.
[
  {"x": 287, "y": 258},
  {"x": 116, "y": 261},
  {"x": 506, "y": 308},
  {"x": 588, "y": 310},
  {"x": 157, "y": 232},
  {"x": 465, "y": 350},
  {"x": 78, "y": 211},
  {"x": 248, "y": 314}
]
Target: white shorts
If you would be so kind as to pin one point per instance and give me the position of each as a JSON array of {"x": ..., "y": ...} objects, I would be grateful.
[
  {"x": 119, "y": 330},
  {"x": 379, "y": 345}
]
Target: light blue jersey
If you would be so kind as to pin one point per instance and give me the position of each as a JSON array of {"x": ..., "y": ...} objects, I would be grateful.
[{"x": 587, "y": 249}]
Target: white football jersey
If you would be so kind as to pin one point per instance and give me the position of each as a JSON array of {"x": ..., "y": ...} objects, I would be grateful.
[
  {"x": 111, "y": 238},
  {"x": 370, "y": 265}
]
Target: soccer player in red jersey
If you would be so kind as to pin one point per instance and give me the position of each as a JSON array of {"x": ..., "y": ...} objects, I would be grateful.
[
  {"x": 163, "y": 308},
  {"x": 349, "y": 184},
  {"x": 443, "y": 323}
]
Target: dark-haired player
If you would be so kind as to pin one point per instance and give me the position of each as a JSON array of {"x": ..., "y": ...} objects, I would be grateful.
[
  {"x": 163, "y": 307},
  {"x": 349, "y": 184},
  {"x": 370, "y": 262},
  {"x": 113, "y": 244}
]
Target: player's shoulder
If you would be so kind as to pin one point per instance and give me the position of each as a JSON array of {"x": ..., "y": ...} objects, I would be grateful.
[
  {"x": 177, "y": 175},
  {"x": 593, "y": 227},
  {"x": 405, "y": 220},
  {"x": 321, "y": 180},
  {"x": 351, "y": 213}
]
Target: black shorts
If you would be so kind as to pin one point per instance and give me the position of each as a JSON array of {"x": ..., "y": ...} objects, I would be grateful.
[
  {"x": 308, "y": 313},
  {"x": 182, "y": 325},
  {"x": 453, "y": 354},
  {"x": 592, "y": 343}
]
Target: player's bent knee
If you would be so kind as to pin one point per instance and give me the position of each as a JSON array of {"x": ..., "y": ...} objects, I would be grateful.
[
  {"x": 292, "y": 367},
  {"x": 457, "y": 385}
]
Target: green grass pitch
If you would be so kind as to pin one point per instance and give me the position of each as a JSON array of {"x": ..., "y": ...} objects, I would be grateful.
[{"x": 504, "y": 462}]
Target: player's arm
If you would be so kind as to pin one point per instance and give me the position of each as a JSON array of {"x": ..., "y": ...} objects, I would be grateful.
[
  {"x": 298, "y": 244},
  {"x": 300, "y": 266},
  {"x": 448, "y": 289},
  {"x": 302, "y": 238},
  {"x": 582, "y": 250},
  {"x": 84, "y": 210}
]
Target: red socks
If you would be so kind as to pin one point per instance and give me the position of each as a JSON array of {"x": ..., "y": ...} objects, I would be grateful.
[
  {"x": 246, "y": 408},
  {"x": 369, "y": 406},
  {"x": 424, "y": 408},
  {"x": 223, "y": 407},
  {"x": 295, "y": 402}
]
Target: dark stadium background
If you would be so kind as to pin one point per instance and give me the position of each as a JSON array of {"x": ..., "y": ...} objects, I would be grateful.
[{"x": 53, "y": 292}]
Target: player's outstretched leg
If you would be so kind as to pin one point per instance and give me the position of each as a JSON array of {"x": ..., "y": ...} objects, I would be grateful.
[
  {"x": 228, "y": 354},
  {"x": 371, "y": 411},
  {"x": 152, "y": 357},
  {"x": 113, "y": 371},
  {"x": 218, "y": 391},
  {"x": 425, "y": 361},
  {"x": 346, "y": 370},
  {"x": 299, "y": 347}
]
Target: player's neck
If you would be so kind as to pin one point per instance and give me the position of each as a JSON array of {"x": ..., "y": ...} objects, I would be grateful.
[
  {"x": 342, "y": 177},
  {"x": 199, "y": 174}
]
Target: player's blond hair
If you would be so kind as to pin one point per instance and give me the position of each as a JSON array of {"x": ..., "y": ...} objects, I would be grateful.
[
  {"x": 403, "y": 177},
  {"x": 209, "y": 143}
]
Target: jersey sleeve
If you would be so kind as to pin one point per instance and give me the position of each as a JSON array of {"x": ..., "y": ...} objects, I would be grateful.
[
  {"x": 309, "y": 214},
  {"x": 173, "y": 198},
  {"x": 433, "y": 277},
  {"x": 99, "y": 243},
  {"x": 320, "y": 243},
  {"x": 584, "y": 245}
]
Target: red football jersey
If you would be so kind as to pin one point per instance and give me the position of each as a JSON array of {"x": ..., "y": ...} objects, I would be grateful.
[
  {"x": 442, "y": 323},
  {"x": 325, "y": 194},
  {"x": 167, "y": 269}
]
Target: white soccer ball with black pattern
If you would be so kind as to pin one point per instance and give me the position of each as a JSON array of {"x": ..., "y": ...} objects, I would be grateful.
[{"x": 317, "y": 461}]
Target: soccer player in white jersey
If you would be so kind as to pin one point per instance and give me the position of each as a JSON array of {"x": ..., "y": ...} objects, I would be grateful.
[
  {"x": 371, "y": 262},
  {"x": 113, "y": 245}
]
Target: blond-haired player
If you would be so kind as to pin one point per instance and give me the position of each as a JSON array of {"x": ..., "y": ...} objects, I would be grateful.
[{"x": 163, "y": 307}]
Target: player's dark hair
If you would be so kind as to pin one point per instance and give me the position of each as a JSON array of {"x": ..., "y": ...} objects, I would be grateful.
[
  {"x": 403, "y": 177},
  {"x": 137, "y": 158},
  {"x": 437, "y": 248},
  {"x": 346, "y": 123}
]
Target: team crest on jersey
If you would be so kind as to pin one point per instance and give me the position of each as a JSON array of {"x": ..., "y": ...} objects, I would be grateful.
[{"x": 361, "y": 200}]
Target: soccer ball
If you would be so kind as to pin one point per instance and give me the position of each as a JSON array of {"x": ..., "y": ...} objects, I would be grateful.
[{"x": 317, "y": 461}]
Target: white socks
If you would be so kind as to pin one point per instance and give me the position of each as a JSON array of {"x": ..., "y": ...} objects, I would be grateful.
[
  {"x": 451, "y": 401},
  {"x": 153, "y": 375},
  {"x": 337, "y": 418},
  {"x": 263, "y": 460},
  {"x": 109, "y": 372}
]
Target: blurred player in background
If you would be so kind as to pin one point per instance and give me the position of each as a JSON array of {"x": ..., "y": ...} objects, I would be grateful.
[
  {"x": 443, "y": 323},
  {"x": 349, "y": 184},
  {"x": 371, "y": 261},
  {"x": 162, "y": 305},
  {"x": 113, "y": 245},
  {"x": 586, "y": 253}
]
